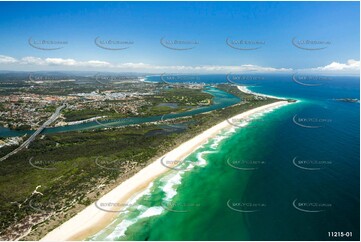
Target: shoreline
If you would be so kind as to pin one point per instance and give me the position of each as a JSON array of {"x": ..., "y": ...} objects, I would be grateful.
[{"x": 92, "y": 219}]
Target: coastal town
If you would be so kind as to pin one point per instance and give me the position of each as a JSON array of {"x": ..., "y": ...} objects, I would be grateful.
[{"x": 25, "y": 109}]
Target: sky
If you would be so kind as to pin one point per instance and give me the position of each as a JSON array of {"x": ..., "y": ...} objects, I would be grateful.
[{"x": 204, "y": 37}]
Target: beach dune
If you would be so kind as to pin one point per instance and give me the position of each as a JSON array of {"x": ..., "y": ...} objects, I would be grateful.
[{"x": 98, "y": 215}]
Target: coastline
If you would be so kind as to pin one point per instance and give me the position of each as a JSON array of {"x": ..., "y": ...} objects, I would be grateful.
[{"x": 92, "y": 219}]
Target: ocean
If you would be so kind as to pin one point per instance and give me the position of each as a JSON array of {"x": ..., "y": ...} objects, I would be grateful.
[{"x": 288, "y": 174}]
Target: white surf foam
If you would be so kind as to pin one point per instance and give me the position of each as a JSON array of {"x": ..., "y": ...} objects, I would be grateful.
[
  {"x": 150, "y": 212},
  {"x": 217, "y": 140},
  {"x": 200, "y": 160},
  {"x": 170, "y": 182},
  {"x": 122, "y": 227}
]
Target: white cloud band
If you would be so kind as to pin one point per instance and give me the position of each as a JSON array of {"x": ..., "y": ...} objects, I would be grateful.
[{"x": 352, "y": 66}]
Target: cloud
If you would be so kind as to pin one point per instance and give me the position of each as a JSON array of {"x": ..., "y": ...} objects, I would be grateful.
[
  {"x": 352, "y": 66},
  {"x": 7, "y": 59},
  {"x": 29, "y": 60},
  {"x": 62, "y": 62},
  {"x": 97, "y": 63},
  {"x": 136, "y": 67},
  {"x": 201, "y": 68}
]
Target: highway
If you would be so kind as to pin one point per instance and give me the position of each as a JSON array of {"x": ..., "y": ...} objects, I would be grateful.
[{"x": 36, "y": 133}]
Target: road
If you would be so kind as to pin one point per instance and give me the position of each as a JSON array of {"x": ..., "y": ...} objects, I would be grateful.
[{"x": 36, "y": 133}]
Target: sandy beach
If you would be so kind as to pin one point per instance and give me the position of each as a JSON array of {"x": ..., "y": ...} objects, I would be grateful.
[{"x": 95, "y": 217}]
